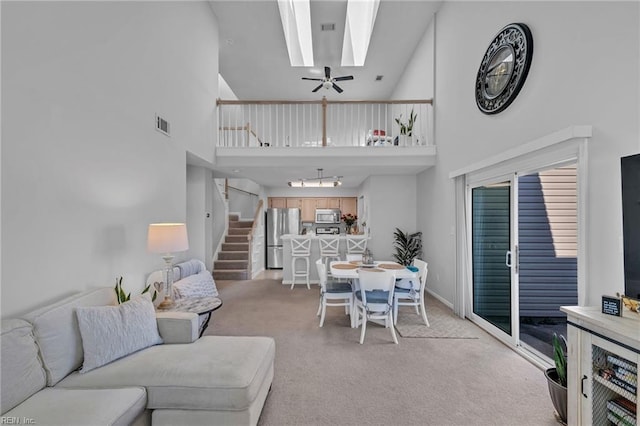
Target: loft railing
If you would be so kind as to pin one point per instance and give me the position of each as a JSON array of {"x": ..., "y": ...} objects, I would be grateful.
[{"x": 324, "y": 123}]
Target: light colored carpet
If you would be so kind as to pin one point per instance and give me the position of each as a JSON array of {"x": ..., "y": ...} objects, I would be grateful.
[
  {"x": 323, "y": 376},
  {"x": 443, "y": 324}
]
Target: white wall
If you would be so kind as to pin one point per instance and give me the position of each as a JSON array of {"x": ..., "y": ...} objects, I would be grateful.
[
  {"x": 242, "y": 199},
  {"x": 199, "y": 213},
  {"x": 392, "y": 204},
  {"x": 83, "y": 169},
  {"x": 585, "y": 70}
]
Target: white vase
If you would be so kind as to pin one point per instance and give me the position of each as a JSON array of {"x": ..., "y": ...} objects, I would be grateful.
[{"x": 405, "y": 140}]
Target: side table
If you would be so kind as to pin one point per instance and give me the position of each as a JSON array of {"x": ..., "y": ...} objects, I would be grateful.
[{"x": 197, "y": 305}]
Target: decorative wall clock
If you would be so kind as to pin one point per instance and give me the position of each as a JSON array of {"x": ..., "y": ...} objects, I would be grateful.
[{"x": 504, "y": 68}]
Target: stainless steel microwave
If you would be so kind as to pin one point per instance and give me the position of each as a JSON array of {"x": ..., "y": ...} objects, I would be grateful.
[{"x": 327, "y": 215}]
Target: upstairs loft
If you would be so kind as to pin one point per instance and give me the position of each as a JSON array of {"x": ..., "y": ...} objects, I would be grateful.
[{"x": 390, "y": 137}]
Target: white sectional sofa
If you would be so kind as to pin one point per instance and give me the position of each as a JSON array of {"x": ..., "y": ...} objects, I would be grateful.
[{"x": 222, "y": 380}]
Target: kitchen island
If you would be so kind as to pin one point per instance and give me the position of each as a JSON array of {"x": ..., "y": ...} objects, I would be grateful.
[{"x": 315, "y": 255}]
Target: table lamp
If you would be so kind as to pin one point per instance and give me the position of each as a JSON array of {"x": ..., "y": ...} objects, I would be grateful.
[{"x": 167, "y": 238}]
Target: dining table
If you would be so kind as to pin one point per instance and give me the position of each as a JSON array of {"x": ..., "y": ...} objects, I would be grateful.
[{"x": 349, "y": 270}]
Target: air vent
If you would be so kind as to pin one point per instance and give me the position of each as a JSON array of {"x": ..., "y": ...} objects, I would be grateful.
[
  {"x": 328, "y": 27},
  {"x": 162, "y": 125},
  {"x": 379, "y": 77}
]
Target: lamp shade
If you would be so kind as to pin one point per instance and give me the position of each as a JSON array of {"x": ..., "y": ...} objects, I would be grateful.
[{"x": 167, "y": 238}]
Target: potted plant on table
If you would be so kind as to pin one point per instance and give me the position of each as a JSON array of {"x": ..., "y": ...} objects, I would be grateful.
[{"x": 557, "y": 377}]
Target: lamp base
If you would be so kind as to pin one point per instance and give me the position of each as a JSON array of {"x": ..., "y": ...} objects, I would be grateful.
[{"x": 166, "y": 303}]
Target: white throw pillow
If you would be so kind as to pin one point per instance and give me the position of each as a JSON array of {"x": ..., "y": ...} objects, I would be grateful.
[
  {"x": 111, "y": 332},
  {"x": 198, "y": 285}
]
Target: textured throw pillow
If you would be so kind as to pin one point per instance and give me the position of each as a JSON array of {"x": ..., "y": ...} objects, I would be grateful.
[
  {"x": 111, "y": 332},
  {"x": 198, "y": 285}
]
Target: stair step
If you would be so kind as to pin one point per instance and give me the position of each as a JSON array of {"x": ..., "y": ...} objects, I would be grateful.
[
  {"x": 230, "y": 264},
  {"x": 235, "y": 246},
  {"x": 233, "y": 255},
  {"x": 239, "y": 231},
  {"x": 233, "y": 217},
  {"x": 240, "y": 223},
  {"x": 236, "y": 239},
  {"x": 230, "y": 274}
]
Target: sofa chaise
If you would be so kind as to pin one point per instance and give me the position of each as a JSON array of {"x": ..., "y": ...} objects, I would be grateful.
[{"x": 185, "y": 380}]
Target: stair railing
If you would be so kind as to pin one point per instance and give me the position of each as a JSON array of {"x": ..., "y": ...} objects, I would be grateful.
[{"x": 251, "y": 235}]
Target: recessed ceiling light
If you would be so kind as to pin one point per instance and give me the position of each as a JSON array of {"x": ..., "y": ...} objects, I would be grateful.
[{"x": 236, "y": 170}]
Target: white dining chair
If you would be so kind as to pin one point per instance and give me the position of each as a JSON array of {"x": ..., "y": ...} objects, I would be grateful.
[
  {"x": 300, "y": 252},
  {"x": 374, "y": 301},
  {"x": 413, "y": 294},
  {"x": 333, "y": 293}
]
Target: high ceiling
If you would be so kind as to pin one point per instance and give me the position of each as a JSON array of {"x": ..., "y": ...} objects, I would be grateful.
[{"x": 254, "y": 60}]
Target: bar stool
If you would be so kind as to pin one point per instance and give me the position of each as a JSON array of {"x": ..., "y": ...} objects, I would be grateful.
[
  {"x": 356, "y": 244},
  {"x": 329, "y": 250},
  {"x": 300, "y": 251}
]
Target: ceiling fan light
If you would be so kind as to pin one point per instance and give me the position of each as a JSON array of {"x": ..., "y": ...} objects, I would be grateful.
[{"x": 327, "y": 85}]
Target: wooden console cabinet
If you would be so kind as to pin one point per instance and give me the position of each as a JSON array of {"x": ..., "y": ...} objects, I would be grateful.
[{"x": 602, "y": 368}]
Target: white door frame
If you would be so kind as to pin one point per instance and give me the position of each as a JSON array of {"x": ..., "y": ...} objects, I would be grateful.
[{"x": 562, "y": 147}]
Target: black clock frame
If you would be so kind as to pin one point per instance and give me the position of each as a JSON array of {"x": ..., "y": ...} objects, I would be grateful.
[{"x": 518, "y": 37}]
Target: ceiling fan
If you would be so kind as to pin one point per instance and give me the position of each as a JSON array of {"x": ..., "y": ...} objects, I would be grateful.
[{"x": 328, "y": 82}]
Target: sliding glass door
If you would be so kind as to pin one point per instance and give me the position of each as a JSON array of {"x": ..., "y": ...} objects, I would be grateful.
[
  {"x": 524, "y": 255},
  {"x": 491, "y": 254}
]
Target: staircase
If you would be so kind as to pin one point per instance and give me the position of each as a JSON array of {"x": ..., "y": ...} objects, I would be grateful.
[{"x": 233, "y": 258}]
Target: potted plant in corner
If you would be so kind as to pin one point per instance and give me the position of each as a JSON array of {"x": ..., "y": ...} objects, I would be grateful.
[
  {"x": 406, "y": 128},
  {"x": 408, "y": 246},
  {"x": 557, "y": 377}
]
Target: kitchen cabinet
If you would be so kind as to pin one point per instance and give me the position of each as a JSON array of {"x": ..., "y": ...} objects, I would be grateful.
[
  {"x": 308, "y": 209},
  {"x": 309, "y": 205},
  {"x": 349, "y": 205},
  {"x": 293, "y": 203},
  {"x": 277, "y": 202},
  {"x": 328, "y": 203},
  {"x": 602, "y": 376}
]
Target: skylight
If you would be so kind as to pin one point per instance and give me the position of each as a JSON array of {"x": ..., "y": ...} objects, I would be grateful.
[
  {"x": 361, "y": 16},
  {"x": 296, "y": 23}
]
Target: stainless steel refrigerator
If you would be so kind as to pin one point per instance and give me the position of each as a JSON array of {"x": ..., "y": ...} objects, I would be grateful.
[{"x": 278, "y": 223}]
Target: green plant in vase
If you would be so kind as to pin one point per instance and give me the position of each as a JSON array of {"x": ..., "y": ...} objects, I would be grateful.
[
  {"x": 125, "y": 297},
  {"x": 557, "y": 377},
  {"x": 406, "y": 127},
  {"x": 349, "y": 220}
]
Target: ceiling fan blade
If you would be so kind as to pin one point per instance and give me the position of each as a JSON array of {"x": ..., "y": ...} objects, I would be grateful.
[
  {"x": 327, "y": 73},
  {"x": 314, "y": 79},
  {"x": 343, "y": 78},
  {"x": 338, "y": 89},
  {"x": 317, "y": 88}
]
